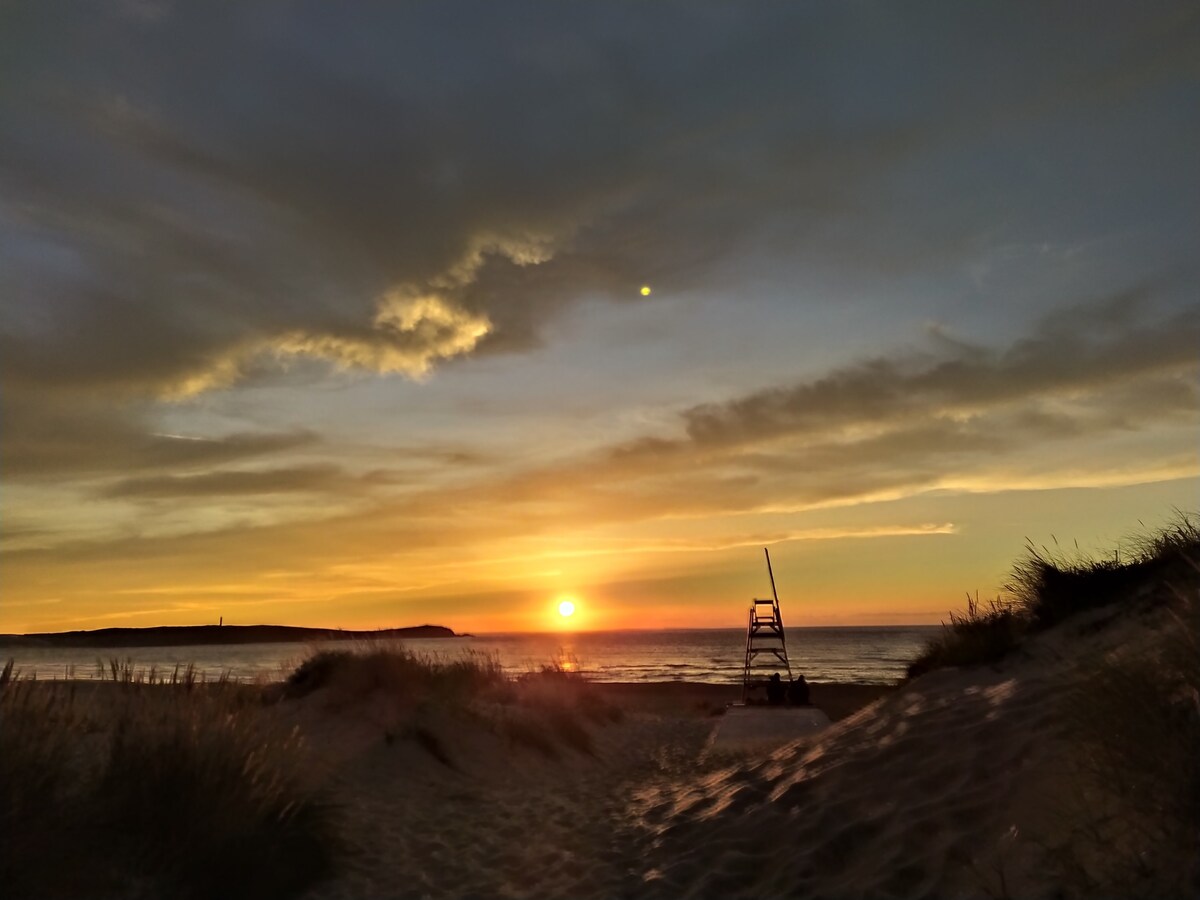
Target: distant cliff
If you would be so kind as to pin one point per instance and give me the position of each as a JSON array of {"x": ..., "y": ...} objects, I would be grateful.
[{"x": 192, "y": 635}]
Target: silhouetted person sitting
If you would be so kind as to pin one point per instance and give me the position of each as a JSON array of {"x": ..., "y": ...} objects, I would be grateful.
[
  {"x": 775, "y": 690},
  {"x": 798, "y": 692}
]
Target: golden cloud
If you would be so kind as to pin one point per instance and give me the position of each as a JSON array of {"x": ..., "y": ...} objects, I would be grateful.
[{"x": 410, "y": 332}]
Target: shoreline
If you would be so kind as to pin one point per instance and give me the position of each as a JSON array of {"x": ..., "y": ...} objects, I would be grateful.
[
  {"x": 837, "y": 699},
  {"x": 665, "y": 699},
  {"x": 713, "y": 658}
]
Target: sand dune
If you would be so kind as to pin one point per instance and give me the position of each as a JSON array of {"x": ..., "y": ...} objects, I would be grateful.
[
  {"x": 502, "y": 820},
  {"x": 962, "y": 784}
]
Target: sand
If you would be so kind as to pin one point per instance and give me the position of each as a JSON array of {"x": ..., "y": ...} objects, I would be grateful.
[
  {"x": 507, "y": 821},
  {"x": 960, "y": 784},
  {"x": 759, "y": 729},
  {"x": 963, "y": 783}
]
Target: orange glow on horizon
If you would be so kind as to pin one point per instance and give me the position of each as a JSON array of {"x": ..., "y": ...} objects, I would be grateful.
[{"x": 846, "y": 567}]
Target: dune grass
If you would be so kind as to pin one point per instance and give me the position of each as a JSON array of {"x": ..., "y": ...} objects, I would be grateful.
[
  {"x": 976, "y": 636},
  {"x": 1133, "y": 715},
  {"x": 1048, "y": 587},
  {"x": 368, "y": 667},
  {"x": 155, "y": 783},
  {"x": 547, "y": 710},
  {"x": 126, "y": 671},
  {"x": 154, "y": 791}
]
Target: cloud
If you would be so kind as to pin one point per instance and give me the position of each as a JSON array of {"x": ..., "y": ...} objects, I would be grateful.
[
  {"x": 1120, "y": 407},
  {"x": 172, "y": 225},
  {"x": 904, "y": 427},
  {"x": 207, "y": 201},
  {"x": 1080, "y": 351},
  {"x": 45, "y": 440},
  {"x": 961, "y": 414},
  {"x": 409, "y": 335},
  {"x": 711, "y": 545},
  {"x": 318, "y": 478}
]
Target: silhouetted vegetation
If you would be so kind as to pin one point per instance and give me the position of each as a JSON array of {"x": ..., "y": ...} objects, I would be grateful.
[
  {"x": 976, "y": 636},
  {"x": 1046, "y": 588},
  {"x": 1133, "y": 714},
  {"x": 157, "y": 780},
  {"x": 546, "y": 710},
  {"x": 171, "y": 792},
  {"x": 403, "y": 674}
]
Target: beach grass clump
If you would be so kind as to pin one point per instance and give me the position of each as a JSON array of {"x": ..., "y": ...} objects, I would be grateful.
[
  {"x": 1045, "y": 588},
  {"x": 1048, "y": 587},
  {"x": 219, "y": 793},
  {"x": 547, "y": 710},
  {"x": 555, "y": 685},
  {"x": 547, "y": 726},
  {"x": 180, "y": 793},
  {"x": 979, "y": 635},
  {"x": 361, "y": 671},
  {"x": 557, "y": 704},
  {"x": 125, "y": 671},
  {"x": 40, "y": 731}
]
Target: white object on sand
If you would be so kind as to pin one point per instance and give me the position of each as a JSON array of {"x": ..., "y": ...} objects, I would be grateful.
[{"x": 766, "y": 727}]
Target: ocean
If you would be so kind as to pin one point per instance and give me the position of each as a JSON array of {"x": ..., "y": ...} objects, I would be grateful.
[{"x": 875, "y": 654}]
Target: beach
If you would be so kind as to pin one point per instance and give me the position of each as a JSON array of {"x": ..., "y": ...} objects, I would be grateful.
[
  {"x": 599, "y": 451},
  {"x": 505, "y": 821},
  {"x": 381, "y": 775},
  {"x": 964, "y": 783}
]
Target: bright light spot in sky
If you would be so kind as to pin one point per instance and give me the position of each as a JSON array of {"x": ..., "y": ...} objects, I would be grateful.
[
  {"x": 645, "y": 290},
  {"x": 566, "y": 608}
]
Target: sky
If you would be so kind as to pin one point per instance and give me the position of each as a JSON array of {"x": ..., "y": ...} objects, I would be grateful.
[{"x": 333, "y": 315}]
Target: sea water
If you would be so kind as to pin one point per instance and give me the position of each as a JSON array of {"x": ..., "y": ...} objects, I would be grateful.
[{"x": 832, "y": 654}]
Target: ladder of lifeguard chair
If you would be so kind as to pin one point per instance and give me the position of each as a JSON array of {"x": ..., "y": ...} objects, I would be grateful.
[{"x": 762, "y": 631}]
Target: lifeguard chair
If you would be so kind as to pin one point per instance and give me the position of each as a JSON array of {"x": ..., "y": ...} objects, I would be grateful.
[{"x": 766, "y": 646}]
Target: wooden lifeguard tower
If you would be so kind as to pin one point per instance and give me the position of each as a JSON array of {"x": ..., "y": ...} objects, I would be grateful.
[
  {"x": 766, "y": 646},
  {"x": 760, "y": 727}
]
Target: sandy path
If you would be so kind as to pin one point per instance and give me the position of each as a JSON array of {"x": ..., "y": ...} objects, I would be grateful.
[
  {"x": 505, "y": 820},
  {"x": 510, "y": 822}
]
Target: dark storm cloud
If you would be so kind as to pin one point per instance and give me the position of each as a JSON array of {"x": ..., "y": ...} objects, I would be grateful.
[{"x": 192, "y": 195}]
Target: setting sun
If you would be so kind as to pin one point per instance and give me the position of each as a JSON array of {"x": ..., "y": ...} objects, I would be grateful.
[{"x": 566, "y": 608}]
